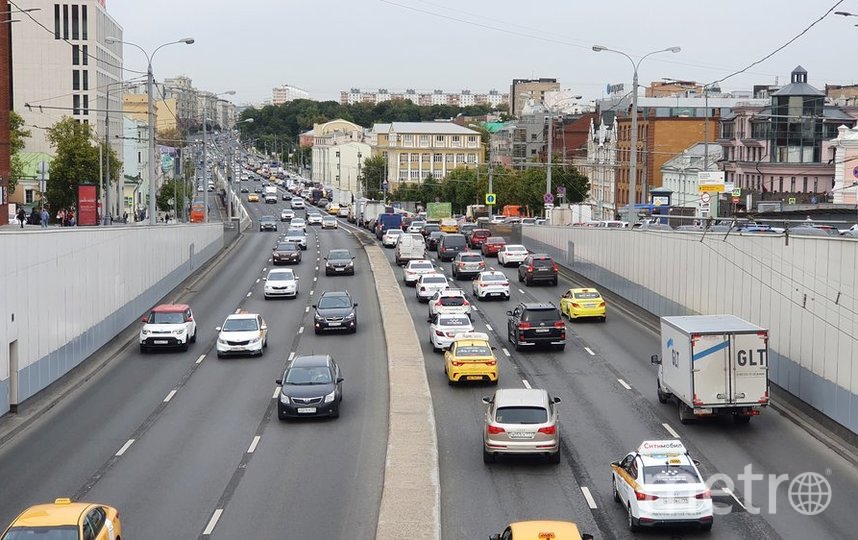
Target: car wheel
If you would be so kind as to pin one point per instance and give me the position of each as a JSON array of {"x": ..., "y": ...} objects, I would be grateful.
[
  {"x": 488, "y": 457},
  {"x": 706, "y": 526},
  {"x": 143, "y": 349},
  {"x": 614, "y": 489},
  {"x": 559, "y": 347},
  {"x": 741, "y": 420},
  {"x": 554, "y": 458},
  {"x": 506, "y": 298},
  {"x": 520, "y": 278},
  {"x": 281, "y": 416},
  {"x": 265, "y": 297},
  {"x": 194, "y": 337},
  {"x": 220, "y": 355},
  {"x": 528, "y": 282},
  {"x": 633, "y": 523},
  {"x": 336, "y": 413},
  {"x": 663, "y": 397},
  {"x": 183, "y": 347},
  {"x": 317, "y": 331},
  {"x": 686, "y": 416},
  {"x": 604, "y": 318},
  {"x": 554, "y": 282}
]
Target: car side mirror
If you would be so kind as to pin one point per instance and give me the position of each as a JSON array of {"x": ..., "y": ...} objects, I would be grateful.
[
  {"x": 509, "y": 313},
  {"x": 615, "y": 463},
  {"x": 487, "y": 400},
  {"x": 340, "y": 379},
  {"x": 654, "y": 359},
  {"x": 353, "y": 258},
  {"x": 278, "y": 381},
  {"x": 217, "y": 328},
  {"x": 355, "y": 304},
  {"x": 696, "y": 462},
  {"x": 325, "y": 258},
  {"x": 556, "y": 400},
  {"x": 144, "y": 320},
  {"x": 264, "y": 327},
  {"x": 314, "y": 306},
  {"x": 494, "y": 348},
  {"x": 586, "y": 536}
]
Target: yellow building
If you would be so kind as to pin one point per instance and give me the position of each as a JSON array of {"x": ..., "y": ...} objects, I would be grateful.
[
  {"x": 415, "y": 150},
  {"x": 136, "y": 107}
]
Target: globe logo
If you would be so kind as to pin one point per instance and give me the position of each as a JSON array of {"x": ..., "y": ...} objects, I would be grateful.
[{"x": 809, "y": 493}]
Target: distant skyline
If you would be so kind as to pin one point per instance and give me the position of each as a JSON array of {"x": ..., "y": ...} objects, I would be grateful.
[{"x": 326, "y": 47}]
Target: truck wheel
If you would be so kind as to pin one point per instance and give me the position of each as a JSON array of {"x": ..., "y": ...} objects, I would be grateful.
[
  {"x": 741, "y": 420},
  {"x": 663, "y": 397},
  {"x": 685, "y": 414}
]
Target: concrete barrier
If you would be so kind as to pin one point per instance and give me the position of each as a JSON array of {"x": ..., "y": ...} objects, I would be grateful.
[
  {"x": 67, "y": 291},
  {"x": 410, "y": 502}
]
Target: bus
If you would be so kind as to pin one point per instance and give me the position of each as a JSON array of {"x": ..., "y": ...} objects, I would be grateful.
[{"x": 198, "y": 212}]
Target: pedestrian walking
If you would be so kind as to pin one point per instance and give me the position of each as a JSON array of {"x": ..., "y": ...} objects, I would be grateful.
[
  {"x": 22, "y": 216},
  {"x": 125, "y": 217},
  {"x": 44, "y": 215}
]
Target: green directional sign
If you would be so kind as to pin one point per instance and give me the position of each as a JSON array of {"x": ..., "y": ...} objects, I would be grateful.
[{"x": 491, "y": 198}]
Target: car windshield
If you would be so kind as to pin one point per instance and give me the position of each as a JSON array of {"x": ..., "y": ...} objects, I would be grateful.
[
  {"x": 541, "y": 315},
  {"x": 493, "y": 277},
  {"x": 452, "y": 301},
  {"x": 308, "y": 375},
  {"x": 471, "y": 258},
  {"x": 295, "y": 233},
  {"x": 435, "y": 279},
  {"x": 286, "y": 246},
  {"x": 281, "y": 276},
  {"x": 454, "y": 321},
  {"x": 55, "y": 532},
  {"x": 421, "y": 266},
  {"x": 495, "y": 240},
  {"x": 454, "y": 240},
  {"x": 436, "y": 234},
  {"x": 166, "y": 317},
  {"x": 266, "y": 218},
  {"x": 393, "y": 232},
  {"x": 431, "y": 227},
  {"x": 473, "y": 350},
  {"x": 515, "y": 249},
  {"x": 340, "y": 254},
  {"x": 240, "y": 325},
  {"x": 543, "y": 263},
  {"x": 329, "y": 302},
  {"x": 521, "y": 415},
  {"x": 670, "y": 474},
  {"x": 587, "y": 295}
]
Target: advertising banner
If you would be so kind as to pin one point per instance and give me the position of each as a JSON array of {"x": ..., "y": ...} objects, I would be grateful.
[{"x": 87, "y": 204}]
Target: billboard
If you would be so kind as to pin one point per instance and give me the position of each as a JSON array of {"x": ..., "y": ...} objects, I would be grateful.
[
  {"x": 87, "y": 204},
  {"x": 439, "y": 210}
]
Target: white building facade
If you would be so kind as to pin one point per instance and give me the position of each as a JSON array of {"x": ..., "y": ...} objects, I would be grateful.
[
  {"x": 601, "y": 168},
  {"x": 285, "y": 93},
  {"x": 135, "y": 165},
  {"x": 680, "y": 173},
  {"x": 462, "y": 98}
]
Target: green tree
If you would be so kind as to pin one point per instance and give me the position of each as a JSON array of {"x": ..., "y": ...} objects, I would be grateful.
[
  {"x": 171, "y": 198},
  {"x": 372, "y": 175},
  {"x": 17, "y": 138},
  {"x": 76, "y": 161}
]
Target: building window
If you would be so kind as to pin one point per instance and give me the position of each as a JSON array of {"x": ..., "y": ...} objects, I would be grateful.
[
  {"x": 426, "y": 158},
  {"x": 792, "y": 184},
  {"x": 139, "y": 158},
  {"x": 424, "y": 141},
  {"x": 437, "y": 158},
  {"x": 408, "y": 140},
  {"x": 75, "y": 55},
  {"x": 85, "y": 104},
  {"x": 472, "y": 158},
  {"x": 816, "y": 184},
  {"x": 29, "y": 196},
  {"x": 403, "y": 158},
  {"x": 415, "y": 175},
  {"x": 85, "y": 79},
  {"x": 75, "y": 22},
  {"x": 403, "y": 175},
  {"x": 439, "y": 140},
  {"x": 460, "y": 158},
  {"x": 437, "y": 175},
  {"x": 415, "y": 158},
  {"x": 85, "y": 55},
  {"x": 76, "y": 104},
  {"x": 75, "y": 79},
  {"x": 83, "y": 24},
  {"x": 65, "y": 21},
  {"x": 56, "y": 21},
  {"x": 449, "y": 158},
  {"x": 472, "y": 141},
  {"x": 781, "y": 184},
  {"x": 457, "y": 141},
  {"x": 804, "y": 185}
]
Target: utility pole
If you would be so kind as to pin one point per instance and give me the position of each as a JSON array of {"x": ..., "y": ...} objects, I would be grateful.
[{"x": 107, "y": 143}]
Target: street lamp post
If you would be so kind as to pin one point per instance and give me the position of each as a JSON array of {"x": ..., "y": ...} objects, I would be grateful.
[
  {"x": 633, "y": 166},
  {"x": 150, "y": 83}
]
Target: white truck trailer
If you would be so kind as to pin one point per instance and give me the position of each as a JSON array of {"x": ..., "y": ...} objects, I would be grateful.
[{"x": 713, "y": 365}]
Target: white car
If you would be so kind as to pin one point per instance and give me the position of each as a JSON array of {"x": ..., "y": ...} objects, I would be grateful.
[
  {"x": 491, "y": 284},
  {"x": 329, "y": 222},
  {"x": 414, "y": 269},
  {"x": 416, "y": 227},
  {"x": 314, "y": 218},
  {"x": 659, "y": 484},
  {"x": 242, "y": 333},
  {"x": 297, "y": 236},
  {"x": 445, "y": 328},
  {"x": 168, "y": 326},
  {"x": 287, "y": 215},
  {"x": 390, "y": 237},
  {"x": 297, "y": 204},
  {"x": 280, "y": 282},
  {"x": 343, "y": 211},
  {"x": 512, "y": 254},
  {"x": 449, "y": 302},
  {"x": 428, "y": 284},
  {"x": 298, "y": 223}
]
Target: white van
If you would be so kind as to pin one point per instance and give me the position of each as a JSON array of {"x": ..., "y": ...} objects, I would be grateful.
[{"x": 409, "y": 247}]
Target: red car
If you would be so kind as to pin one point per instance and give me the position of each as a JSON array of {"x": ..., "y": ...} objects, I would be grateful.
[
  {"x": 478, "y": 236},
  {"x": 492, "y": 245}
]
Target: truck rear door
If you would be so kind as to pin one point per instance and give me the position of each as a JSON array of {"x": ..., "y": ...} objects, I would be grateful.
[
  {"x": 710, "y": 356},
  {"x": 749, "y": 379},
  {"x": 730, "y": 369}
]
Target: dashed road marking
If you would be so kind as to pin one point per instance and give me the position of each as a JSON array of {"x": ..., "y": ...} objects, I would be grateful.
[
  {"x": 591, "y": 502},
  {"x": 317, "y": 269},
  {"x": 671, "y": 430},
  {"x": 474, "y": 308},
  {"x": 526, "y": 384},
  {"x": 301, "y": 330},
  {"x": 589, "y": 351},
  {"x": 200, "y": 359},
  {"x": 125, "y": 447},
  {"x": 489, "y": 327},
  {"x": 307, "y": 309},
  {"x": 624, "y": 384},
  {"x": 506, "y": 352},
  {"x": 169, "y": 396},
  {"x": 521, "y": 291},
  {"x": 311, "y": 293},
  {"x": 264, "y": 268},
  {"x": 213, "y": 522},
  {"x": 237, "y": 310},
  {"x": 291, "y": 355},
  {"x": 730, "y": 492},
  {"x": 315, "y": 279},
  {"x": 258, "y": 280},
  {"x": 252, "y": 448},
  {"x": 249, "y": 293},
  {"x": 276, "y": 392}
]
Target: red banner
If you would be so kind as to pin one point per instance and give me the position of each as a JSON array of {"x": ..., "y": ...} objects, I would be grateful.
[{"x": 87, "y": 204}]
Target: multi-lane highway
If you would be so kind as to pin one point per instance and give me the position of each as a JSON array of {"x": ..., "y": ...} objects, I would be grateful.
[{"x": 186, "y": 443}]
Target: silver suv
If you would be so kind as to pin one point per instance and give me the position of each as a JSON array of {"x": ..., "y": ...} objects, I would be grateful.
[{"x": 521, "y": 421}]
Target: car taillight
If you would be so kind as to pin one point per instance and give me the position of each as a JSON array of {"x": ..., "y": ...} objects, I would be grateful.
[
  {"x": 493, "y": 430},
  {"x": 466, "y": 303},
  {"x": 491, "y": 363},
  {"x": 456, "y": 363},
  {"x": 703, "y": 496},
  {"x": 439, "y": 333},
  {"x": 601, "y": 304},
  {"x": 555, "y": 267},
  {"x": 641, "y": 496},
  {"x": 559, "y": 324},
  {"x": 548, "y": 430},
  {"x": 505, "y": 284},
  {"x": 523, "y": 325},
  {"x": 530, "y": 268},
  {"x": 576, "y": 304}
]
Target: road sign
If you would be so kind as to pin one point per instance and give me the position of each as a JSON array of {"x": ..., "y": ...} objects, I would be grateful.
[
  {"x": 792, "y": 200},
  {"x": 548, "y": 198},
  {"x": 737, "y": 192},
  {"x": 491, "y": 198},
  {"x": 561, "y": 191},
  {"x": 855, "y": 172},
  {"x": 710, "y": 188},
  {"x": 710, "y": 177},
  {"x": 735, "y": 200},
  {"x": 705, "y": 198}
]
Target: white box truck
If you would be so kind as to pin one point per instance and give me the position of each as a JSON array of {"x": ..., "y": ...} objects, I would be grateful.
[
  {"x": 713, "y": 365},
  {"x": 271, "y": 194}
]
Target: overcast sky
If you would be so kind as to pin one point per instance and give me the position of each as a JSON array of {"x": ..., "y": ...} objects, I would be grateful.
[{"x": 325, "y": 46}]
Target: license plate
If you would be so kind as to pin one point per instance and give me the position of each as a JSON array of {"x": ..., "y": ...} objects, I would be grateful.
[
  {"x": 496, "y": 294},
  {"x": 680, "y": 500},
  {"x": 519, "y": 435},
  {"x": 306, "y": 410},
  {"x": 474, "y": 378},
  {"x": 339, "y": 269},
  {"x": 334, "y": 324},
  {"x": 542, "y": 330},
  {"x": 591, "y": 305},
  {"x": 160, "y": 342}
]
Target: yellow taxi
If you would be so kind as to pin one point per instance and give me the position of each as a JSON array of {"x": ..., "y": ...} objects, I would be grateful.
[
  {"x": 470, "y": 358},
  {"x": 66, "y": 519},
  {"x": 449, "y": 225},
  {"x": 253, "y": 197},
  {"x": 542, "y": 530},
  {"x": 581, "y": 303},
  {"x": 334, "y": 209}
]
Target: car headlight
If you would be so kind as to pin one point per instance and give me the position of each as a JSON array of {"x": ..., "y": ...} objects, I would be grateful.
[
  {"x": 179, "y": 331},
  {"x": 254, "y": 340},
  {"x": 318, "y": 317},
  {"x": 221, "y": 341},
  {"x": 350, "y": 263},
  {"x": 145, "y": 332},
  {"x": 350, "y": 316},
  {"x": 284, "y": 399},
  {"x": 330, "y": 397}
]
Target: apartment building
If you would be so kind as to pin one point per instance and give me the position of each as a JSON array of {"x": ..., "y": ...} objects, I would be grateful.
[
  {"x": 286, "y": 93},
  {"x": 462, "y": 98},
  {"x": 416, "y": 150},
  {"x": 600, "y": 165},
  {"x": 339, "y": 150},
  {"x": 523, "y": 89}
]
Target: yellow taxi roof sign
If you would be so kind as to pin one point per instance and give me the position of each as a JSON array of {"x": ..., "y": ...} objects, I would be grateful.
[
  {"x": 545, "y": 529},
  {"x": 62, "y": 500}
]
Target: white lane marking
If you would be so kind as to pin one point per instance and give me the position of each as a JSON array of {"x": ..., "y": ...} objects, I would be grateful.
[
  {"x": 730, "y": 492},
  {"x": 311, "y": 293},
  {"x": 200, "y": 359},
  {"x": 252, "y": 448},
  {"x": 125, "y": 447},
  {"x": 315, "y": 279},
  {"x": 292, "y": 354},
  {"x": 258, "y": 280},
  {"x": 318, "y": 259},
  {"x": 591, "y": 502},
  {"x": 625, "y": 384},
  {"x": 213, "y": 522},
  {"x": 589, "y": 351},
  {"x": 276, "y": 392},
  {"x": 269, "y": 260},
  {"x": 474, "y": 308},
  {"x": 301, "y": 330},
  {"x": 489, "y": 327},
  {"x": 522, "y": 292},
  {"x": 317, "y": 269},
  {"x": 671, "y": 430},
  {"x": 249, "y": 293},
  {"x": 237, "y": 310},
  {"x": 506, "y": 352},
  {"x": 526, "y": 384},
  {"x": 264, "y": 268},
  {"x": 307, "y": 309},
  {"x": 169, "y": 396}
]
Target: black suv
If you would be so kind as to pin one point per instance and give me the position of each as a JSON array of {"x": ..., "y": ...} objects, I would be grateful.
[
  {"x": 532, "y": 324},
  {"x": 537, "y": 267},
  {"x": 336, "y": 310},
  {"x": 267, "y": 223},
  {"x": 339, "y": 261},
  {"x": 451, "y": 245}
]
